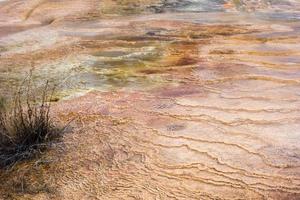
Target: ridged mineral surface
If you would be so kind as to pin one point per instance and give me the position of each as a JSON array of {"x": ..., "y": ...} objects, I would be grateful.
[{"x": 170, "y": 99}]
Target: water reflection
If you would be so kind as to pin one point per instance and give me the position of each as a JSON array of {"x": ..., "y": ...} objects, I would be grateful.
[
  {"x": 141, "y": 49},
  {"x": 189, "y": 6}
]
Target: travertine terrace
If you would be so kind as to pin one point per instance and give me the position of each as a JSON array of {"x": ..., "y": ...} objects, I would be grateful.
[{"x": 171, "y": 99}]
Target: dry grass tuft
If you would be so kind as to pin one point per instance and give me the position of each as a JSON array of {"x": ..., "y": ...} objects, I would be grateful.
[{"x": 26, "y": 127}]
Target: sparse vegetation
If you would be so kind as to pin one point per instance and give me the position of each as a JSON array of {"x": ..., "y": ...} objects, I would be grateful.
[
  {"x": 26, "y": 127},
  {"x": 2, "y": 102}
]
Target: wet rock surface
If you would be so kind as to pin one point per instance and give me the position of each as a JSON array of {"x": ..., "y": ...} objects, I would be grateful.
[{"x": 171, "y": 99}]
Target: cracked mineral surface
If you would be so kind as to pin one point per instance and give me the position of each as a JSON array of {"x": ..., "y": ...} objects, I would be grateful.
[{"x": 192, "y": 99}]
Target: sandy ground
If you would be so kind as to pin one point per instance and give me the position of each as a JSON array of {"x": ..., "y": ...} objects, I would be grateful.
[{"x": 168, "y": 103}]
